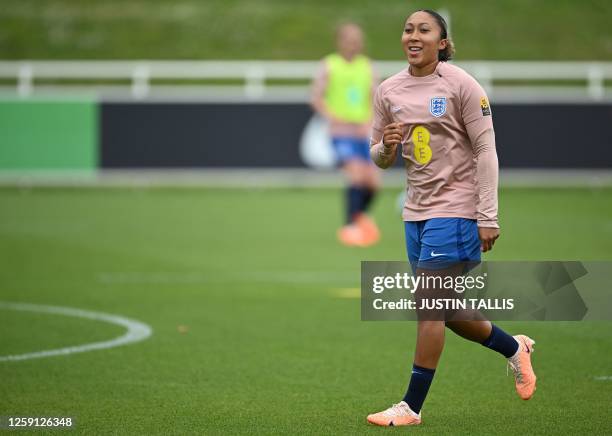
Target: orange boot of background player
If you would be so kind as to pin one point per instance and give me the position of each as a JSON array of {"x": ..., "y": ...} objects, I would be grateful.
[
  {"x": 371, "y": 234},
  {"x": 363, "y": 232},
  {"x": 351, "y": 236}
]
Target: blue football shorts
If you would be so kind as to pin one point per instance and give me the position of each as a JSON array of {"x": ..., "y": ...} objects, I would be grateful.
[
  {"x": 442, "y": 242},
  {"x": 348, "y": 148}
]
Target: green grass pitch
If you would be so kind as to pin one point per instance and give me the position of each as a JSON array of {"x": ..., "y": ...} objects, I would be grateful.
[{"x": 272, "y": 340}]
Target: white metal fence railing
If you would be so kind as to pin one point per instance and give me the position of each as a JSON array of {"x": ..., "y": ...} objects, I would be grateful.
[{"x": 255, "y": 75}]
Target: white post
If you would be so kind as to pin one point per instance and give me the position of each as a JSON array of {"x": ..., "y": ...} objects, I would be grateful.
[
  {"x": 254, "y": 82},
  {"x": 595, "y": 82},
  {"x": 445, "y": 13},
  {"x": 24, "y": 80},
  {"x": 140, "y": 81}
]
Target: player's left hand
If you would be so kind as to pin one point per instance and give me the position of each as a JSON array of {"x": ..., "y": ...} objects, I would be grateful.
[{"x": 488, "y": 236}]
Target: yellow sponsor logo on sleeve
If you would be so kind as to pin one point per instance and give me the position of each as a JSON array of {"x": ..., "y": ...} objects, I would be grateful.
[
  {"x": 422, "y": 150},
  {"x": 484, "y": 106}
]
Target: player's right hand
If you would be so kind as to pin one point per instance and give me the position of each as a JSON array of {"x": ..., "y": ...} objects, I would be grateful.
[{"x": 392, "y": 135}]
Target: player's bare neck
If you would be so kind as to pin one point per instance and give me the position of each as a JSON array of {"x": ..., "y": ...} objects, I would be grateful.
[
  {"x": 424, "y": 70},
  {"x": 348, "y": 56}
]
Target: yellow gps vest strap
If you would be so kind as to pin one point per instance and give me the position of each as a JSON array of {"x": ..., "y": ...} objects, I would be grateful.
[{"x": 348, "y": 93}]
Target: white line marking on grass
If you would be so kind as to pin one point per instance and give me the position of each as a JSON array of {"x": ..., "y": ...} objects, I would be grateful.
[
  {"x": 604, "y": 378},
  {"x": 136, "y": 330}
]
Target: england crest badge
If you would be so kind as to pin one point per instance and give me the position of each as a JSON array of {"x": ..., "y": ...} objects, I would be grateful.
[{"x": 437, "y": 106}]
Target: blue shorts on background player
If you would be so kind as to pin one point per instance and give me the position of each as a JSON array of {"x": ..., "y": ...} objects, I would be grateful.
[{"x": 347, "y": 148}]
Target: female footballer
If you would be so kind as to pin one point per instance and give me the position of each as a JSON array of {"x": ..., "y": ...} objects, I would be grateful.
[
  {"x": 441, "y": 118},
  {"x": 342, "y": 93}
]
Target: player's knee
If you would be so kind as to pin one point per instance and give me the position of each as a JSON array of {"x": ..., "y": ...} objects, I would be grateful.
[{"x": 355, "y": 173}]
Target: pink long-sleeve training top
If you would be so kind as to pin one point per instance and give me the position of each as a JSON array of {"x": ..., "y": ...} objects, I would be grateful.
[{"x": 448, "y": 143}]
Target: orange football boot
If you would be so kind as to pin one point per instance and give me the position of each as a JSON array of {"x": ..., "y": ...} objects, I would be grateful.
[
  {"x": 351, "y": 236},
  {"x": 369, "y": 229},
  {"x": 524, "y": 377},
  {"x": 398, "y": 414}
]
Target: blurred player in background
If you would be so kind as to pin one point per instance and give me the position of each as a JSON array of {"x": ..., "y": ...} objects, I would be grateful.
[
  {"x": 342, "y": 93},
  {"x": 441, "y": 118}
]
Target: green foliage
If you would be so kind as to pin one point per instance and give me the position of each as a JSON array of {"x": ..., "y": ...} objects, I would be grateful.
[{"x": 280, "y": 29}]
